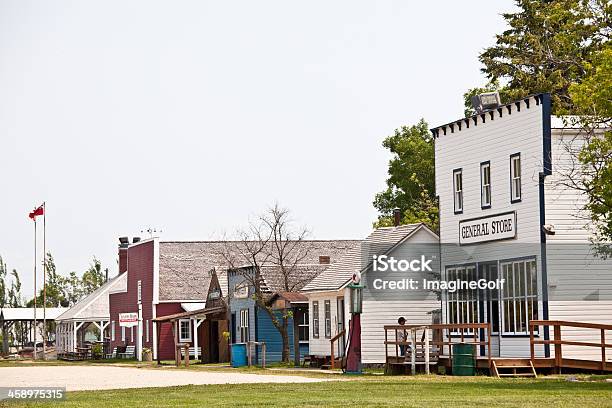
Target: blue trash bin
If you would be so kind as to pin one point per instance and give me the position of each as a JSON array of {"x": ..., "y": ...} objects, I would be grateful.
[{"x": 239, "y": 355}]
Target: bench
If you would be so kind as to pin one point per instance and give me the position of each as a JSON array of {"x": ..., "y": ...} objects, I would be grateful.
[
  {"x": 130, "y": 352},
  {"x": 192, "y": 352},
  {"x": 113, "y": 354}
]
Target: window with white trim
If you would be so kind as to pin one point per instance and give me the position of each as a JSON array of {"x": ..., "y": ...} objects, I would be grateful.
[
  {"x": 185, "y": 330},
  {"x": 123, "y": 334},
  {"x": 462, "y": 304},
  {"x": 458, "y": 190},
  {"x": 315, "y": 319},
  {"x": 519, "y": 295},
  {"x": 485, "y": 184},
  {"x": 515, "y": 177},
  {"x": 147, "y": 330},
  {"x": 113, "y": 330},
  {"x": 244, "y": 325},
  {"x": 302, "y": 316},
  {"x": 327, "y": 311}
]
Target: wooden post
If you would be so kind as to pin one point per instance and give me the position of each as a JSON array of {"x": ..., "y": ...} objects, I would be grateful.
[
  {"x": 413, "y": 354},
  {"x": 296, "y": 339},
  {"x": 531, "y": 345},
  {"x": 603, "y": 351},
  {"x": 558, "y": 356},
  {"x": 426, "y": 331},
  {"x": 489, "y": 344},
  {"x": 263, "y": 359},
  {"x": 386, "y": 347},
  {"x": 186, "y": 348},
  {"x": 158, "y": 330},
  {"x": 332, "y": 354}
]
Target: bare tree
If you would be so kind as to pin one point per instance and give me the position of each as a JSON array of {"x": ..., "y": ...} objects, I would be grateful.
[{"x": 271, "y": 245}]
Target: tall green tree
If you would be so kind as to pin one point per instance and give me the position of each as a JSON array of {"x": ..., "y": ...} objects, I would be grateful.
[
  {"x": 593, "y": 106},
  {"x": 547, "y": 48},
  {"x": 410, "y": 185},
  {"x": 92, "y": 278}
]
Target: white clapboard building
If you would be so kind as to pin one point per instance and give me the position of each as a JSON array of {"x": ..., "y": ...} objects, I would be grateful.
[
  {"x": 329, "y": 296},
  {"x": 506, "y": 213}
]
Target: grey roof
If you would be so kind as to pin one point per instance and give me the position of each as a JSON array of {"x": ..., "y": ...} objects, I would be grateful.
[
  {"x": 185, "y": 267},
  {"x": 380, "y": 241},
  {"x": 96, "y": 305}
]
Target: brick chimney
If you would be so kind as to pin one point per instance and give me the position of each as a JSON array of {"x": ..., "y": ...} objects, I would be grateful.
[
  {"x": 124, "y": 242},
  {"x": 397, "y": 217}
]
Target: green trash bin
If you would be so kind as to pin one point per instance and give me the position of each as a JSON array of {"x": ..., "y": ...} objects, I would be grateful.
[{"x": 464, "y": 361}]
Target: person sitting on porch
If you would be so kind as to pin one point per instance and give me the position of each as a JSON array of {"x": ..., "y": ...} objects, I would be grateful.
[{"x": 402, "y": 336}]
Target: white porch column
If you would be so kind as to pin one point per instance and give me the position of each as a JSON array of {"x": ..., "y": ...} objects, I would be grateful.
[
  {"x": 196, "y": 325},
  {"x": 74, "y": 334}
]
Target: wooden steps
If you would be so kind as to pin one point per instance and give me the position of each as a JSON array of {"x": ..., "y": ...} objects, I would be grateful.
[
  {"x": 513, "y": 368},
  {"x": 327, "y": 365}
]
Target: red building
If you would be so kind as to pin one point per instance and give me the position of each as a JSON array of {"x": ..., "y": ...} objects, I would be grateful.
[{"x": 167, "y": 278}]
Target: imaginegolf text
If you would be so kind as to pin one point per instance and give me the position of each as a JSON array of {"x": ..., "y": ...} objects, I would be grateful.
[{"x": 437, "y": 285}]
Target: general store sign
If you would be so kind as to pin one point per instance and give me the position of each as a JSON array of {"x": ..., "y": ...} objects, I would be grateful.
[
  {"x": 128, "y": 319},
  {"x": 484, "y": 229}
]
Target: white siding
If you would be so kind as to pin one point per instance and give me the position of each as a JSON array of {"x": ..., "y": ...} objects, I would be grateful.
[
  {"x": 579, "y": 283},
  {"x": 495, "y": 141},
  {"x": 321, "y": 346}
]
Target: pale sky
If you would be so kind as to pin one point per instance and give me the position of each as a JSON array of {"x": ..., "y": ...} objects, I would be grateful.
[{"x": 192, "y": 116}]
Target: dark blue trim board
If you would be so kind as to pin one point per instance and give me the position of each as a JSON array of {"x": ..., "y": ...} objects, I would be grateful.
[{"x": 546, "y": 159}]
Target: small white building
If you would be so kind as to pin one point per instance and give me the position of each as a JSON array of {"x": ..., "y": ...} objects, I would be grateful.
[
  {"x": 93, "y": 309},
  {"x": 505, "y": 213},
  {"x": 329, "y": 297}
]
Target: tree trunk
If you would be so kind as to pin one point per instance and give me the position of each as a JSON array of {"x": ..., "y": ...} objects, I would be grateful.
[{"x": 285, "y": 336}]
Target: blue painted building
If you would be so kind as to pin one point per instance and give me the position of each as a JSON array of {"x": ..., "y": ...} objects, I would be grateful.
[{"x": 250, "y": 322}]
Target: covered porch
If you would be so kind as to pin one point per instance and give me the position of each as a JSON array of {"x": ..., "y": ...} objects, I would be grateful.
[{"x": 201, "y": 332}]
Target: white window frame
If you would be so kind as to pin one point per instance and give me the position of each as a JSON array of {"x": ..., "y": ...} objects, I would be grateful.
[
  {"x": 244, "y": 325},
  {"x": 458, "y": 190},
  {"x": 516, "y": 193},
  {"x": 147, "y": 330},
  {"x": 485, "y": 184},
  {"x": 327, "y": 312},
  {"x": 303, "y": 323},
  {"x": 315, "y": 319},
  {"x": 182, "y": 338},
  {"x": 113, "y": 330},
  {"x": 462, "y": 305},
  {"x": 519, "y": 295},
  {"x": 123, "y": 334}
]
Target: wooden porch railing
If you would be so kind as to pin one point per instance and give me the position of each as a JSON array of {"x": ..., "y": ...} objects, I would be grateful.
[
  {"x": 558, "y": 341},
  {"x": 478, "y": 334},
  {"x": 337, "y": 338}
]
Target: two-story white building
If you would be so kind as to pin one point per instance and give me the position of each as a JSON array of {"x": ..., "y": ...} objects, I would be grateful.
[{"x": 506, "y": 214}]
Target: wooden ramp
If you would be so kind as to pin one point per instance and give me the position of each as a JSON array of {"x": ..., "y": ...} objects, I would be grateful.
[{"x": 513, "y": 367}]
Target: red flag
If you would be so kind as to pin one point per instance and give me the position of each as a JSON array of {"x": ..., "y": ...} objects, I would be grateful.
[{"x": 38, "y": 211}]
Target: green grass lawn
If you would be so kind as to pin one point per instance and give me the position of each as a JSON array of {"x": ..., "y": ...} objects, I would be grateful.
[{"x": 420, "y": 391}]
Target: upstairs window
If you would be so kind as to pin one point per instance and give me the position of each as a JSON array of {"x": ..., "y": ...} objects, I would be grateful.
[
  {"x": 485, "y": 184},
  {"x": 515, "y": 178},
  {"x": 458, "y": 190}
]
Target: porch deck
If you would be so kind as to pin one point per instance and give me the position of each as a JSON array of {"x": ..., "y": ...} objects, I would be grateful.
[{"x": 478, "y": 334}]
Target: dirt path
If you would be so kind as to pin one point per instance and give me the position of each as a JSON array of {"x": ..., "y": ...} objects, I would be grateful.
[{"x": 76, "y": 378}]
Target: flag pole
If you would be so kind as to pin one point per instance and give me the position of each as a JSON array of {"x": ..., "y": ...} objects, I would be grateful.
[
  {"x": 44, "y": 280},
  {"x": 34, "y": 288}
]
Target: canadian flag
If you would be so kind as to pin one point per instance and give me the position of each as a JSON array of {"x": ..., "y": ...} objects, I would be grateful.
[{"x": 36, "y": 212}]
